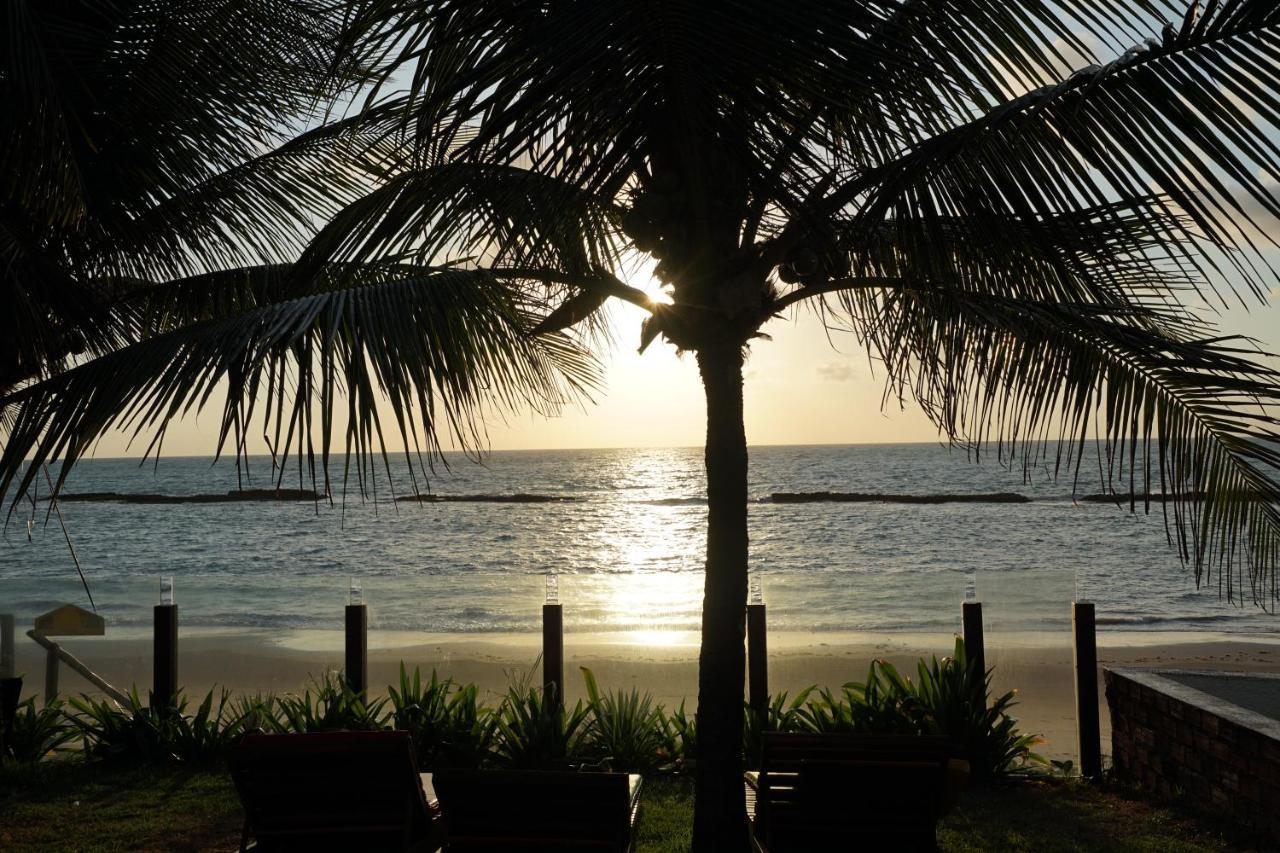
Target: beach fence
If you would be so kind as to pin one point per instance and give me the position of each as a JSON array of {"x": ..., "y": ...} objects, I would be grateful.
[
  {"x": 1084, "y": 670},
  {"x": 1084, "y": 650},
  {"x": 757, "y": 661},
  {"x": 70, "y": 620},
  {"x": 65, "y": 621},
  {"x": 164, "y": 667},
  {"x": 553, "y": 641},
  {"x": 10, "y": 684},
  {"x": 975, "y": 646},
  {"x": 356, "y": 640}
]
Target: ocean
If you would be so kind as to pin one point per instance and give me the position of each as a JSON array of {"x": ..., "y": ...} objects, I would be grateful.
[{"x": 626, "y": 546}]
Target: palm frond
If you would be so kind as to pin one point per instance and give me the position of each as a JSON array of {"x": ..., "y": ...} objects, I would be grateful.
[
  {"x": 114, "y": 104},
  {"x": 1197, "y": 416},
  {"x": 1192, "y": 114},
  {"x": 482, "y": 212},
  {"x": 439, "y": 348},
  {"x": 144, "y": 139},
  {"x": 1129, "y": 254}
]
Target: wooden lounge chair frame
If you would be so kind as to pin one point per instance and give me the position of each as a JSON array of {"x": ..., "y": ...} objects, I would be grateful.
[
  {"x": 493, "y": 810},
  {"x": 847, "y": 791},
  {"x": 334, "y": 791}
]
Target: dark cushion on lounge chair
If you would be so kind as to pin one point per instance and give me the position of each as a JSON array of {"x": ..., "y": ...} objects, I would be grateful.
[
  {"x": 847, "y": 792},
  {"x": 333, "y": 791},
  {"x": 494, "y": 810}
]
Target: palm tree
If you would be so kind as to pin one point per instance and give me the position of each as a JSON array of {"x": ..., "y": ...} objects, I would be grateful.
[
  {"x": 142, "y": 142},
  {"x": 161, "y": 163},
  {"x": 1025, "y": 210}
]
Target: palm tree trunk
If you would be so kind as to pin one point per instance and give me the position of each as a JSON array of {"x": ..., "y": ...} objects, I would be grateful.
[{"x": 719, "y": 812}]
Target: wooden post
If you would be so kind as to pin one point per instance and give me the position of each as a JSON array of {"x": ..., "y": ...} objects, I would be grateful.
[
  {"x": 164, "y": 674},
  {"x": 10, "y": 693},
  {"x": 758, "y": 662},
  {"x": 974, "y": 648},
  {"x": 51, "y": 674},
  {"x": 357, "y": 658},
  {"x": 78, "y": 667},
  {"x": 1085, "y": 656},
  {"x": 7, "y": 651},
  {"x": 553, "y": 651},
  {"x": 10, "y": 686}
]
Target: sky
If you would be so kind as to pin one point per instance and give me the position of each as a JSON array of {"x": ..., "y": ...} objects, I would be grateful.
[{"x": 802, "y": 387}]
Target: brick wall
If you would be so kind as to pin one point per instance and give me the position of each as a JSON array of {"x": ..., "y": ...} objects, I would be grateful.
[{"x": 1204, "y": 751}]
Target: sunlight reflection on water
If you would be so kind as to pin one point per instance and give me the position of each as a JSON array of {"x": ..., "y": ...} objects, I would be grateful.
[{"x": 627, "y": 550}]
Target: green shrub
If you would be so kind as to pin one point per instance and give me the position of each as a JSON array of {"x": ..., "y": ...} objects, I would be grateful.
[
  {"x": 36, "y": 732},
  {"x": 207, "y": 736},
  {"x": 679, "y": 740},
  {"x": 159, "y": 734},
  {"x": 886, "y": 702},
  {"x": 883, "y": 704},
  {"x": 335, "y": 707},
  {"x": 449, "y": 726},
  {"x": 535, "y": 732},
  {"x": 950, "y": 697},
  {"x": 625, "y": 730},
  {"x": 473, "y": 730},
  {"x": 953, "y": 698},
  {"x": 782, "y": 716},
  {"x": 259, "y": 713},
  {"x": 134, "y": 733}
]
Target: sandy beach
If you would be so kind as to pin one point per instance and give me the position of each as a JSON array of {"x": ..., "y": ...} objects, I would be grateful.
[{"x": 662, "y": 664}]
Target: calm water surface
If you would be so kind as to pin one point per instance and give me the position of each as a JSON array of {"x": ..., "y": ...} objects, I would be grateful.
[{"x": 628, "y": 550}]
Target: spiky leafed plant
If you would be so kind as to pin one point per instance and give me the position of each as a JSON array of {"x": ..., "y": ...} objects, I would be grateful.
[{"x": 1023, "y": 208}]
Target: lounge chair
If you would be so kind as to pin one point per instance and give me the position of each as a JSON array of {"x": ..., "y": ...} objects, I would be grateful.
[
  {"x": 499, "y": 810},
  {"x": 333, "y": 791},
  {"x": 847, "y": 792}
]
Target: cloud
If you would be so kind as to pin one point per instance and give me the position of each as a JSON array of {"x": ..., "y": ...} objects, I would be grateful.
[{"x": 834, "y": 371}]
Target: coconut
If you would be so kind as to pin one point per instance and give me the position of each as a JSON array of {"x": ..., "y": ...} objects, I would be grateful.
[{"x": 805, "y": 261}]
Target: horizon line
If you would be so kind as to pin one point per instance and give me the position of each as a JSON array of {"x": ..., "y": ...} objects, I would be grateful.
[{"x": 939, "y": 443}]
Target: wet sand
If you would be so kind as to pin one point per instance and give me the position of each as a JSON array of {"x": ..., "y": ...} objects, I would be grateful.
[{"x": 662, "y": 664}]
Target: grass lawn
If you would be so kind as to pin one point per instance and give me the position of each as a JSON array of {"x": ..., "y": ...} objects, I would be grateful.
[
  {"x": 64, "y": 806},
  {"x": 59, "y": 806}
]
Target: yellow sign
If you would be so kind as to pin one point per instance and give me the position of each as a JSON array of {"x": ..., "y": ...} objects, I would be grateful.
[{"x": 70, "y": 621}]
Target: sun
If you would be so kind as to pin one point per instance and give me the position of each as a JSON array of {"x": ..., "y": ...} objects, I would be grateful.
[{"x": 638, "y": 270}]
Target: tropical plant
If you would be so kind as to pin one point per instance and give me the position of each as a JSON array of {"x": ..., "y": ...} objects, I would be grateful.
[
  {"x": 625, "y": 730},
  {"x": 1021, "y": 208},
  {"x": 536, "y": 731},
  {"x": 679, "y": 739},
  {"x": 144, "y": 142},
  {"x": 783, "y": 714},
  {"x": 156, "y": 733},
  {"x": 258, "y": 712},
  {"x": 36, "y": 732},
  {"x": 953, "y": 698},
  {"x": 473, "y": 730},
  {"x": 134, "y": 732},
  {"x": 334, "y": 707},
  {"x": 950, "y": 697},
  {"x": 883, "y": 704},
  {"x": 207, "y": 736},
  {"x": 449, "y": 726}
]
